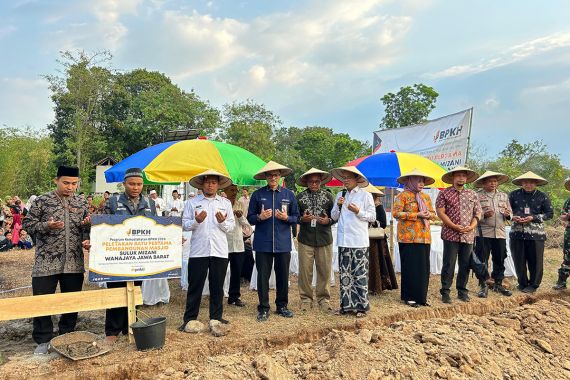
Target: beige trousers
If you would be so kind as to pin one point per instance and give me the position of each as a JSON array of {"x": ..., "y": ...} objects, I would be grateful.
[{"x": 322, "y": 258}]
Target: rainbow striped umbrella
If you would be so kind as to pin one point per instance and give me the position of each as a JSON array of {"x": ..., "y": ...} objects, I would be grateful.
[
  {"x": 178, "y": 161},
  {"x": 383, "y": 169}
]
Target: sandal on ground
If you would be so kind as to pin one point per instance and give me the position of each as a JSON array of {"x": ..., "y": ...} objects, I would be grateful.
[{"x": 360, "y": 314}]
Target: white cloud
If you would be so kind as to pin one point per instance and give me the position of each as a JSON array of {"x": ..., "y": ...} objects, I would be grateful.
[
  {"x": 313, "y": 46},
  {"x": 512, "y": 55},
  {"x": 491, "y": 103},
  {"x": 257, "y": 73},
  {"x": 106, "y": 32}
]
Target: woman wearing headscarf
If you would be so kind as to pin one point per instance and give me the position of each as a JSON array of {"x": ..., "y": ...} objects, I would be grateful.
[
  {"x": 381, "y": 275},
  {"x": 414, "y": 210}
]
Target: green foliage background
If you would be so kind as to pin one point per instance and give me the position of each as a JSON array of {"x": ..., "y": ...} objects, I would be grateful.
[{"x": 100, "y": 112}]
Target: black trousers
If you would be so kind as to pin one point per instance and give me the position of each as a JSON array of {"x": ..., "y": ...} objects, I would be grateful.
[
  {"x": 248, "y": 263},
  {"x": 497, "y": 248},
  {"x": 43, "y": 326},
  {"x": 117, "y": 319},
  {"x": 264, "y": 263},
  {"x": 455, "y": 252},
  {"x": 528, "y": 253},
  {"x": 236, "y": 265},
  {"x": 198, "y": 267},
  {"x": 415, "y": 271}
]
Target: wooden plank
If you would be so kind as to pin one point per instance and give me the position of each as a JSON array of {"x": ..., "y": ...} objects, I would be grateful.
[
  {"x": 131, "y": 308},
  {"x": 61, "y": 303}
]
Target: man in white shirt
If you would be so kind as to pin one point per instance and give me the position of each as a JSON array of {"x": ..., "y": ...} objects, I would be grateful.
[
  {"x": 236, "y": 247},
  {"x": 176, "y": 205},
  {"x": 210, "y": 218},
  {"x": 158, "y": 202},
  {"x": 355, "y": 209}
]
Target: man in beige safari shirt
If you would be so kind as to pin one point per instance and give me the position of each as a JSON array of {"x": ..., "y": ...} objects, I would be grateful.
[{"x": 491, "y": 235}]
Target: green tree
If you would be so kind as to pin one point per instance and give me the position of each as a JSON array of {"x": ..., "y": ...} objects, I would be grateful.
[
  {"x": 250, "y": 126},
  {"x": 143, "y": 105},
  {"x": 78, "y": 95},
  {"x": 319, "y": 147},
  {"x": 26, "y": 162},
  {"x": 410, "y": 105},
  {"x": 516, "y": 159}
]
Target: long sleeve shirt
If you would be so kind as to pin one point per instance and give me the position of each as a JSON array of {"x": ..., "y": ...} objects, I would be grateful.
[
  {"x": 352, "y": 230},
  {"x": 178, "y": 204},
  {"x": 59, "y": 250},
  {"x": 272, "y": 234},
  {"x": 460, "y": 206},
  {"x": 538, "y": 206},
  {"x": 235, "y": 236},
  {"x": 494, "y": 225},
  {"x": 317, "y": 203},
  {"x": 209, "y": 238},
  {"x": 412, "y": 229}
]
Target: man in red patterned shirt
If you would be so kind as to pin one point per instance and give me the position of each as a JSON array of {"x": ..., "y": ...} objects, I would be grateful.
[{"x": 459, "y": 209}]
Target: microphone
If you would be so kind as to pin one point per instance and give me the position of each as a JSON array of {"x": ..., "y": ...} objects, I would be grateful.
[{"x": 343, "y": 195}]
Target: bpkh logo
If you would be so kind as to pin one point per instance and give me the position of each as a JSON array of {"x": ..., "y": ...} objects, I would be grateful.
[
  {"x": 132, "y": 232},
  {"x": 444, "y": 134}
]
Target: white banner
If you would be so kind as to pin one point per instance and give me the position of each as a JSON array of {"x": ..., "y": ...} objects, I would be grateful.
[
  {"x": 444, "y": 140},
  {"x": 128, "y": 248}
]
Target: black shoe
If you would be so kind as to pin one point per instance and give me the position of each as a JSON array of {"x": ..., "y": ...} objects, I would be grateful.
[
  {"x": 445, "y": 298},
  {"x": 559, "y": 285},
  {"x": 262, "y": 316},
  {"x": 483, "y": 291},
  {"x": 500, "y": 289},
  {"x": 529, "y": 289},
  {"x": 222, "y": 321},
  {"x": 181, "y": 327},
  {"x": 284, "y": 312},
  {"x": 464, "y": 297},
  {"x": 238, "y": 303}
]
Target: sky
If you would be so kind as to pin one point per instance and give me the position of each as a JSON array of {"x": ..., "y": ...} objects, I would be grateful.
[{"x": 313, "y": 62}]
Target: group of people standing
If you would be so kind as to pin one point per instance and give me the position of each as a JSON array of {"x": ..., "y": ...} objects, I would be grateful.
[
  {"x": 473, "y": 218},
  {"x": 60, "y": 221}
]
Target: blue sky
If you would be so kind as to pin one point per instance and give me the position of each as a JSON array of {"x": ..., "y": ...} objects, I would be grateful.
[{"x": 321, "y": 62}]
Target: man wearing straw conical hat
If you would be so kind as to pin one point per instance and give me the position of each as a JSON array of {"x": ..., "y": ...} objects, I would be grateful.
[
  {"x": 354, "y": 210},
  {"x": 531, "y": 208},
  {"x": 459, "y": 209},
  {"x": 210, "y": 218},
  {"x": 564, "y": 270},
  {"x": 315, "y": 239},
  {"x": 273, "y": 210},
  {"x": 491, "y": 238}
]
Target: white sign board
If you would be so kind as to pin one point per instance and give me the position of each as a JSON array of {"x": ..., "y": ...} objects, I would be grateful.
[
  {"x": 444, "y": 140},
  {"x": 128, "y": 248}
]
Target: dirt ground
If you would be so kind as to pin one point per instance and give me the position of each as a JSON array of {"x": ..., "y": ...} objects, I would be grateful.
[{"x": 518, "y": 337}]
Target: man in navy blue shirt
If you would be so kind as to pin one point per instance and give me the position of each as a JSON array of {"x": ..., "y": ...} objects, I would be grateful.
[{"x": 273, "y": 210}]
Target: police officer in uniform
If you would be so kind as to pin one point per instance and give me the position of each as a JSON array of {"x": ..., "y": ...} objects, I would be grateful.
[{"x": 131, "y": 202}]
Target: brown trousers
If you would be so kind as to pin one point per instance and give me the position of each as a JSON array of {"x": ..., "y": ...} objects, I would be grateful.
[{"x": 322, "y": 258}]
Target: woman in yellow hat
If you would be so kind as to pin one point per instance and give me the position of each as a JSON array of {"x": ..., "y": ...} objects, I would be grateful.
[{"x": 414, "y": 210}]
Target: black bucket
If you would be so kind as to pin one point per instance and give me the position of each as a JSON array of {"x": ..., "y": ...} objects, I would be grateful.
[{"x": 149, "y": 333}]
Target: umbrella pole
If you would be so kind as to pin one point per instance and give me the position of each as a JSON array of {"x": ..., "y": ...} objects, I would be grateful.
[{"x": 392, "y": 223}]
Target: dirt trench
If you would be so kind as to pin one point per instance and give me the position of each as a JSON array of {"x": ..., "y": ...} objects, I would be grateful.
[{"x": 505, "y": 338}]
